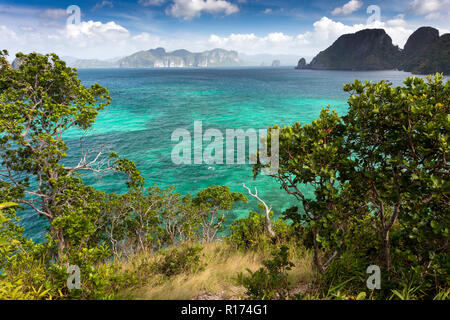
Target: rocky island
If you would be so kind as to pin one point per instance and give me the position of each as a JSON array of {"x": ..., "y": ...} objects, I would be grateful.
[
  {"x": 301, "y": 64},
  {"x": 160, "y": 58},
  {"x": 425, "y": 52},
  {"x": 369, "y": 49}
]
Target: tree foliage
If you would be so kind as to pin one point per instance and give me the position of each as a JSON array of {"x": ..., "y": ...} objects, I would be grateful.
[
  {"x": 39, "y": 102},
  {"x": 380, "y": 176}
]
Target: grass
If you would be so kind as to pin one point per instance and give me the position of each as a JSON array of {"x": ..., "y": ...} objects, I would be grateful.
[{"x": 216, "y": 280}]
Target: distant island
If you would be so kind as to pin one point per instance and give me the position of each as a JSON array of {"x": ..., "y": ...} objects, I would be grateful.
[
  {"x": 425, "y": 52},
  {"x": 160, "y": 58}
]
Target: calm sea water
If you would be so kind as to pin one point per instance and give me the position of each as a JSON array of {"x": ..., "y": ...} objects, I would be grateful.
[{"x": 149, "y": 104}]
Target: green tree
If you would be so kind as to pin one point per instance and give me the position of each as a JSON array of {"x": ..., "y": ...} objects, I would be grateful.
[
  {"x": 313, "y": 155},
  {"x": 39, "y": 102},
  {"x": 250, "y": 233},
  {"x": 178, "y": 218},
  {"x": 380, "y": 176},
  {"x": 399, "y": 138},
  {"x": 213, "y": 204}
]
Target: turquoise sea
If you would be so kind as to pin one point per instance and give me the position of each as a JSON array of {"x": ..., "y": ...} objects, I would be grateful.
[{"x": 149, "y": 104}]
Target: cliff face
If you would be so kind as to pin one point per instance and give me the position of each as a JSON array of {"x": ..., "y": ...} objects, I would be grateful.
[
  {"x": 372, "y": 49},
  {"x": 420, "y": 39},
  {"x": 369, "y": 49},
  {"x": 16, "y": 64},
  {"x": 159, "y": 58},
  {"x": 301, "y": 64},
  {"x": 426, "y": 53}
]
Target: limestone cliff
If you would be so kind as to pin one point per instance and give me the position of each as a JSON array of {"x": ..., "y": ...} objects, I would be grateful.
[
  {"x": 159, "y": 58},
  {"x": 369, "y": 49}
]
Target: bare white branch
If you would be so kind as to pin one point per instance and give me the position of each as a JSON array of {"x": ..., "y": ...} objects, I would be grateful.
[{"x": 267, "y": 209}]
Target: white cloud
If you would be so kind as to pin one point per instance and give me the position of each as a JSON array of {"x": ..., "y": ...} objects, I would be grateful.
[
  {"x": 422, "y": 7},
  {"x": 7, "y": 34},
  {"x": 325, "y": 32},
  {"x": 431, "y": 9},
  {"x": 53, "y": 14},
  {"x": 435, "y": 16},
  {"x": 91, "y": 33},
  {"x": 267, "y": 11},
  {"x": 94, "y": 39},
  {"x": 348, "y": 8},
  {"x": 104, "y": 3},
  {"x": 148, "y": 3},
  {"x": 26, "y": 28},
  {"x": 189, "y": 9},
  {"x": 87, "y": 40},
  {"x": 251, "y": 44},
  {"x": 397, "y": 21},
  {"x": 90, "y": 40}
]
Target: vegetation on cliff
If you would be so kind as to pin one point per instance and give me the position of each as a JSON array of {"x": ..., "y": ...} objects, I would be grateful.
[
  {"x": 427, "y": 53},
  {"x": 160, "y": 58},
  {"x": 372, "y": 49},
  {"x": 369, "y": 49}
]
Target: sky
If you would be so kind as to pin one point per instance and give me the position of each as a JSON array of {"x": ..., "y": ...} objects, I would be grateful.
[{"x": 108, "y": 29}]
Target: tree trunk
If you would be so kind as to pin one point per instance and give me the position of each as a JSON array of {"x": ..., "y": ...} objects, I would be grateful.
[
  {"x": 267, "y": 211},
  {"x": 59, "y": 235},
  {"x": 386, "y": 250},
  {"x": 316, "y": 252},
  {"x": 269, "y": 225}
]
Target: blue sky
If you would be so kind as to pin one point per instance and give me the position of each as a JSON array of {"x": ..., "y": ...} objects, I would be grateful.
[{"x": 114, "y": 28}]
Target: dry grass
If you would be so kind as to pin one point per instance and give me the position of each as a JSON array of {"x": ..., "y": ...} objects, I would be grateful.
[{"x": 216, "y": 280}]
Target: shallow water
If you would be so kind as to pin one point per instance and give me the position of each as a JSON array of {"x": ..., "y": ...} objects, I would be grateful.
[{"x": 149, "y": 104}]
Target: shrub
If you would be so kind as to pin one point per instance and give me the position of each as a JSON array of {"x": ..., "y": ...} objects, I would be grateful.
[
  {"x": 271, "y": 281},
  {"x": 250, "y": 233},
  {"x": 179, "y": 260}
]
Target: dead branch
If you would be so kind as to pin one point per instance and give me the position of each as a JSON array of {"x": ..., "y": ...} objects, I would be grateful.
[{"x": 267, "y": 209}]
